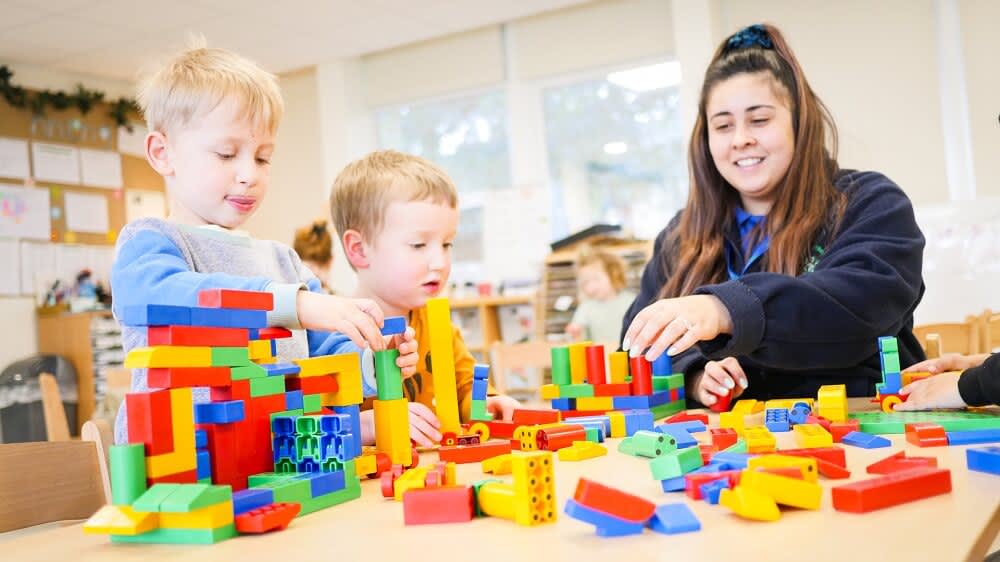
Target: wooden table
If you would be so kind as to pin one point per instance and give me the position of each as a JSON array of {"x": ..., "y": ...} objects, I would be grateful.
[{"x": 949, "y": 527}]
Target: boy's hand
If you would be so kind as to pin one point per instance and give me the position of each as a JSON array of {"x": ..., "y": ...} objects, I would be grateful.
[
  {"x": 424, "y": 425},
  {"x": 719, "y": 379},
  {"x": 502, "y": 406},
  {"x": 406, "y": 344},
  {"x": 940, "y": 391},
  {"x": 368, "y": 427},
  {"x": 948, "y": 362},
  {"x": 358, "y": 319}
]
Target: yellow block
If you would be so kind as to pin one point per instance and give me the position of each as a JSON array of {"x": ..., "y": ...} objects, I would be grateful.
[
  {"x": 211, "y": 517},
  {"x": 750, "y": 503},
  {"x": 619, "y": 366},
  {"x": 783, "y": 490},
  {"x": 121, "y": 520},
  {"x": 443, "y": 360},
  {"x": 787, "y": 403},
  {"x": 365, "y": 465},
  {"x": 578, "y": 362},
  {"x": 410, "y": 480},
  {"x": 498, "y": 465},
  {"x": 528, "y": 435},
  {"x": 349, "y": 390},
  {"x": 759, "y": 439},
  {"x": 617, "y": 424},
  {"x": 260, "y": 349},
  {"x": 549, "y": 391},
  {"x": 833, "y": 414},
  {"x": 163, "y": 356},
  {"x": 497, "y": 500},
  {"x": 328, "y": 364},
  {"x": 806, "y": 464},
  {"x": 834, "y": 394},
  {"x": 733, "y": 420},
  {"x": 183, "y": 458},
  {"x": 810, "y": 435},
  {"x": 392, "y": 429},
  {"x": 748, "y": 407},
  {"x": 534, "y": 488},
  {"x": 582, "y": 450},
  {"x": 595, "y": 403}
]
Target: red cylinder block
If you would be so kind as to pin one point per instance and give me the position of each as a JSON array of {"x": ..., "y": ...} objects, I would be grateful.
[
  {"x": 595, "y": 365},
  {"x": 642, "y": 376},
  {"x": 555, "y": 438}
]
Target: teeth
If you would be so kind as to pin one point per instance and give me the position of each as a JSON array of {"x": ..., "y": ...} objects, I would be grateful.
[{"x": 748, "y": 161}]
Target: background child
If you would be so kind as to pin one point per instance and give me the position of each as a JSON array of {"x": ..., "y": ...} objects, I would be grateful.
[
  {"x": 603, "y": 298},
  {"x": 977, "y": 385},
  {"x": 314, "y": 245},
  {"x": 397, "y": 215},
  {"x": 212, "y": 117}
]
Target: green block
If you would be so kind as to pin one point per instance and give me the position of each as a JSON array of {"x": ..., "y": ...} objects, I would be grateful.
[
  {"x": 661, "y": 383},
  {"x": 626, "y": 446},
  {"x": 205, "y": 480},
  {"x": 479, "y": 411},
  {"x": 306, "y": 446},
  {"x": 285, "y": 466},
  {"x": 888, "y": 344},
  {"x": 388, "y": 377},
  {"x": 265, "y": 479},
  {"x": 128, "y": 473},
  {"x": 350, "y": 492},
  {"x": 180, "y": 536},
  {"x": 291, "y": 490},
  {"x": 676, "y": 463},
  {"x": 189, "y": 497},
  {"x": 676, "y": 381},
  {"x": 151, "y": 500},
  {"x": 582, "y": 390},
  {"x": 307, "y": 425},
  {"x": 560, "y": 367},
  {"x": 267, "y": 386},
  {"x": 475, "y": 493},
  {"x": 230, "y": 357},
  {"x": 890, "y": 362},
  {"x": 351, "y": 472},
  {"x": 739, "y": 447},
  {"x": 652, "y": 443},
  {"x": 312, "y": 403},
  {"x": 249, "y": 372},
  {"x": 593, "y": 434},
  {"x": 881, "y": 423},
  {"x": 668, "y": 409}
]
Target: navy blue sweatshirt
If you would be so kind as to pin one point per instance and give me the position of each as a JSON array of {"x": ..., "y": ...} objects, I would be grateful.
[
  {"x": 795, "y": 334},
  {"x": 980, "y": 386}
]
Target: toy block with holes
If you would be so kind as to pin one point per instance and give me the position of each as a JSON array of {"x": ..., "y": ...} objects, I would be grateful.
[
  {"x": 531, "y": 499},
  {"x": 810, "y": 435}
]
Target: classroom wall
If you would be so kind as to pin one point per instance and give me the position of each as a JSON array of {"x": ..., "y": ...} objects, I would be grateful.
[{"x": 981, "y": 45}]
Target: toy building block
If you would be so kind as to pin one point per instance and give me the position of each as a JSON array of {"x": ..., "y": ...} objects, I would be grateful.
[
  {"x": 618, "y": 362},
  {"x": 231, "y": 298},
  {"x": 192, "y": 497},
  {"x": 156, "y": 315},
  {"x": 642, "y": 376},
  {"x": 394, "y": 325},
  {"x": 259, "y": 350},
  {"x": 251, "y": 498},
  {"x": 531, "y": 498},
  {"x": 808, "y": 435},
  {"x": 839, "y": 429},
  {"x": 183, "y": 457},
  {"x": 722, "y": 403},
  {"x": 196, "y": 336},
  {"x": 865, "y": 440},
  {"x": 832, "y": 402},
  {"x": 388, "y": 376},
  {"x": 711, "y": 491},
  {"x": 443, "y": 358},
  {"x": 169, "y": 356},
  {"x": 312, "y": 385},
  {"x": 663, "y": 366},
  {"x": 453, "y": 504},
  {"x": 892, "y": 489},
  {"x": 732, "y": 420},
  {"x": 463, "y": 454},
  {"x": 596, "y": 372},
  {"x": 180, "y": 536},
  {"x": 561, "y": 373},
  {"x": 676, "y": 463},
  {"x": 723, "y": 437},
  {"x": 693, "y": 481},
  {"x": 899, "y": 462},
  {"x": 975, "y": 437},
  {"x": 498, "y": 465},
  {"x": 578, "y": 362},
  {"x": 595, "y": 403},
  {"x": 680, "y": 436},
  {"x": 759, "y": 439},
  {"x": 831, "y": 454},
  {"x": 750, "y": 503},
  {"x": 688, "y": 416},
  {"x": 652, "y": 444},
  {"x": 926, "y": 434},
  {"x": 606, "y": 525},
  {"x": 674, "y": 518},
  {"x": 228, "y": 317},
  {"x": 555, "y": 438},
  {"x": 581, "y": 390},
  {"x": 805, "y": 465},
  {"x": 181, "y": 377},
  {"x": 549, "y": 392},
  {"x": 582, "y": 450},
  {"x": 785, "y": 491},
  {"x": 524, "y": 416},
  {"x": 149, "y": 421},
  {"x": 249, "y": 372},
  {"x": 128, "y": 473},
  {"x": 120, "y": 520},
  {"x": 983, "y": 459},
  {"x": 272, "y": 517},
  {"x": 328, "y": 364},
  {"x": 219, "y": 412},
  {"x": 613, "y": 501}
]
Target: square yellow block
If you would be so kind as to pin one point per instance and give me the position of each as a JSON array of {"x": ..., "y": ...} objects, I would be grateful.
[
  {"x": 617, "y": 424},
  {"x": 211, "y": 517},
  {"x": 328, "y": 364},
  {"x": 550, "y": 391},
  {"x": 260, "y": 349},
  {"x": 595, "y": 403}
]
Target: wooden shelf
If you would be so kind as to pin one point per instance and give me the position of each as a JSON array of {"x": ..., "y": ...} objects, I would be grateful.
[{"x": 488, "y": 314}]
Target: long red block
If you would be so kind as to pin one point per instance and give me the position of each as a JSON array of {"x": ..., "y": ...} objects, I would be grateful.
[
  {"x": 613, "y": 389},
  {"x": 312, "y": 385},
  {"x": 453, "y": 504},
  {"x": 596, "y": 373},
  {"x": 259, "y": 410},
  {"x": 833, "y": 455},
  {"x": 830, "y": 470},
  {"x": 890, "y": 490},
  {"x": 149, "y": 421},
  {"x": 197, "y": 336},
  {"x": 899, "y": 462},
  {"x": 534, "y": 417},
  {"x": 188, "y": 477},
  {"x": 273, "y": 333},
  {"x": 224, "y": 444},
  {"x": 231, "y": 298},
  {"x": 275, "y": 516},
  {"x": 642, "y": 376},
  {"x": 461, "y": 454},
  {"x": 555, "y": 438},
  {"x": 186, "y": 377},
  {"x": 688, "y": 416},
  {"x": 839, "y": 429},
  {"x": 613, "y": 501},
  {"x": 501, "y": 429},
  {"x": 724, "y": 437},
  {"x": 926, "y": 435}
]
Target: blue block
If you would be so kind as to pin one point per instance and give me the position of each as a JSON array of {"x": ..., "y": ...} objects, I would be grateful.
[
  {"x": 354, "y": 413},
  {"x": 595, "y": 424},
  {"x": 712, "y": 490},
  {"x": 984, "y": 459},
  {"x": 253, "y": 334},
  {"x": 690, "y": 426},
  {"x": 636, "y": 420},
  {"x": 681, "y": 435},
  {"x": 332, "y": 424},
  {"x": 674, "y": 518},
  {"x": 156, "y": 315},
  {"x": 346, "y": 446},
  {"x": 799, "y": 414},
  {"x": 275, "y": 369},
  {"x": 662, "y": 366},
  {"x": 776, "y": 420},
  {"x": 865, "y": 440},
  {"x": 893, "y": 382},
  {"x": 607, "y": 525},
  {"x": 219, "y": 412},
  {"x": 204, "y": 460},
  {"x": 630, "y": 403},
  {"x": 293, "y": 400},
  {"x": 565, "y": 404},
  {"x": 251, "y": 498},
  {"x": 659, "y": 398},
  {"x": 394, "y": 325},
  {"x": 308, "y": 464},
  {"x": 228, "y": 317},
  {"x": 283, "y": 425},
  {"x": 274, "y": 348},
  {"x": 322, "y": 483},
  {"x": 481, "y": 372},
  {"x": 712, "y": 466},
  {"x": 283, "y": 447},
  {"x": 680, "y": 393},
  {"x": 479, "y": 389},
  {"x": 973, "y": 437},
  {"x": 200, "y": 439},
  {"x": 674, "y": 484},
  {"x": 736, "y": 461},
  {"x": 605, "y": 422}
]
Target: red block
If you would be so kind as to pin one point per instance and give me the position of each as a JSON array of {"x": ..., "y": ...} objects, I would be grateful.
[
  {"x": 899, "y": 462},
  {"x": 582, "y": 413},
  {"x": 595, "y": 365},
  {"x": 707, "y": 450},
  {"x": 555, "y": 438},
  {"x": 236, "y": 390},
  {"x": 231, "y": 298},
  {"x": 615, "y": 389},
  {"x": 724, "y": 437},
  {"x": 189, "y": 477},
  {"x": 890, "y": 490},
  {"x": 453, "y": 504},
  {"x": 224, "y": 445},
  {"x": 613, "y": 501},
  {"x": 259, "y": 410},
  {"x": 461, "y": 454},
  {"x": 830, "y": 470},
  {"x": 272, "y": 517},
  {"x": 675, "y": 394},
  {"x": 534, "y": 417},
  {"x": 501, "y": 429},
  {"x": 642, "y": 376},
  {"x": 149, "y": 421},
  {"x": 839, "y": 429},
  {"x": 834, "y": 455},
  {"x": 688, "y": 416},
  {"x": 312, "y": 385},
  {"x": 926, "y": 434},
  {"x": 693, "y": 482},
  {"x": 722, "y": 403},
  {"x": 185, "y": 377},
  {"x": 197, "y": 336},
  {"x": 273, "y": 333}
]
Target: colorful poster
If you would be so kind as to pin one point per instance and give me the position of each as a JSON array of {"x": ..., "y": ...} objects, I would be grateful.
[{"x": 24, "y": 212}]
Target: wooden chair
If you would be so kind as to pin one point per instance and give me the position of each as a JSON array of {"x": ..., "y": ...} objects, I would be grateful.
[
  {"x": 989, "y": 331},
  {"x": 56, "y": 426},
  {"x": 46, "y": 482},
  {"x": 99, "y": 432},
  {"x": 954, "y": 337},
  {"x": 505, "y": 357}
]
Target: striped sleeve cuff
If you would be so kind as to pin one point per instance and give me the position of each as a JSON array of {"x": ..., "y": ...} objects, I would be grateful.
[{"x": 285, "y": 312}]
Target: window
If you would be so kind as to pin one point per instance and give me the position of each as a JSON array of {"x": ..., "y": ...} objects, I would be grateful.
[{"x": 615, "y": 150}]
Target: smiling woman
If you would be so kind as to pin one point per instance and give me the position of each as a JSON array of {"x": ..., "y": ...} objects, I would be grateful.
[{"x": 783, "y": 268}]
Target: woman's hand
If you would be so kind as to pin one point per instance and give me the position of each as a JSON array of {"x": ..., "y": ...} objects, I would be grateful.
[
  {"x": 719, "y": 379},
  {"x": 675, "y": 325}
]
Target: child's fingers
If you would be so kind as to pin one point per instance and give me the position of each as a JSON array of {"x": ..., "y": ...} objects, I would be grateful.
[
  {"x": 425, "y": 413},
  {"x": 369, "y": 330},
  {"x": 351, "y": 332},
  {"x": 372, "y": 309},
  {"x": 422, "y": 431}
]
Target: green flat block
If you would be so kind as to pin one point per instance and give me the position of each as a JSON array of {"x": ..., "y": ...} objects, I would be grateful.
[
  {"x": 249, "y": 372},
  {"x": 739, "y": 447},
  {"x": 668, "y": 409},
  {"x": 593, "y": 434},
  {"x": 479, "y": 412},
  {"x": 560, "y": 366},
  {"x": 661, "y": 383},
  {"x": 889, "y": 344},
  {"x": 128, "y": 473},
  {"x": 582, "y": 390},
  {"x": 267, "y": 386},
  {"x": 205, "y": 480},
  {"x": 151, "y": 500},
  {"x": 676, "y": 463},
  {"x": 627, "y": 447},
  {"x": 291, "y": 490},
  {"x": 265, "y": 479},
  {"x": 350, "y": 492},
  {"x": 351, "y": 472},
  {"x": 230, "y": 357},
  {"x": 890, "y": 362},
  {"x": 312, "y": 403},
  {"x": 668, "y": 382},
  {"x": 881, "y": 423},
  {"x": 189, "y": 497},
  {"x": 475, "y": 492},
  {"x": 388, "y": 377},
  {"x": 180, "y": 536}
]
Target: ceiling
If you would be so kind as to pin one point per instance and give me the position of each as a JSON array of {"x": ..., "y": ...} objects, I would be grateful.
[{"x": 117, "y": 38}]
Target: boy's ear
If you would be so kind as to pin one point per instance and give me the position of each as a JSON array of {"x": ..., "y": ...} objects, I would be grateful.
[
  {"x": 355, "y": 249},
  {"x": 157, "y": 153}
]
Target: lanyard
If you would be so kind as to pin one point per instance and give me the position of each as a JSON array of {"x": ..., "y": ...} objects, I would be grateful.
[{"x": 758, "y": 250}]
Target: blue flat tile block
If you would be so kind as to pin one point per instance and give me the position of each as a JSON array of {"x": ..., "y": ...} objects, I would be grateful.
[
  {"x": 712, "y": 490},
  {"x": 275, "y": 369},
  {"x": 605, "y": 422},
  {"x": 736, "y": 461},
  {"x": 636, "y": 420},
  {"x": 394, "y": 325},
  {"x": 673, "y": 484},
  {"x": 564, "y": 404},
  {"x": 662, "y": 366},
  {"x": 228, "y": 317},
  {"x": 200, "y": 439},
  {"x": 630, "y": 402},
  {"x": 481, "y": 372},
  {"x": 984, "y": 459},
  {"x": 293, "y": 400},
  {"x": 681, "y": 435},
  {"x": 659, "y": 398},
  {"x": 865, "y": 440},
  {"x": 690, "y": 426},
  {"x": 251, "y": 498},
  {"x": 479, "y": 389},
  {"x": 607, "y": 525},
  {"x": 322, "y": 483},
  {"x": 973, "y": 437},
  {"x": 219, "y": 412},
  {"x": 204, "y": 466},
  {"x": 674, "y": 518},
  {"x": 156, "y": 315}
]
